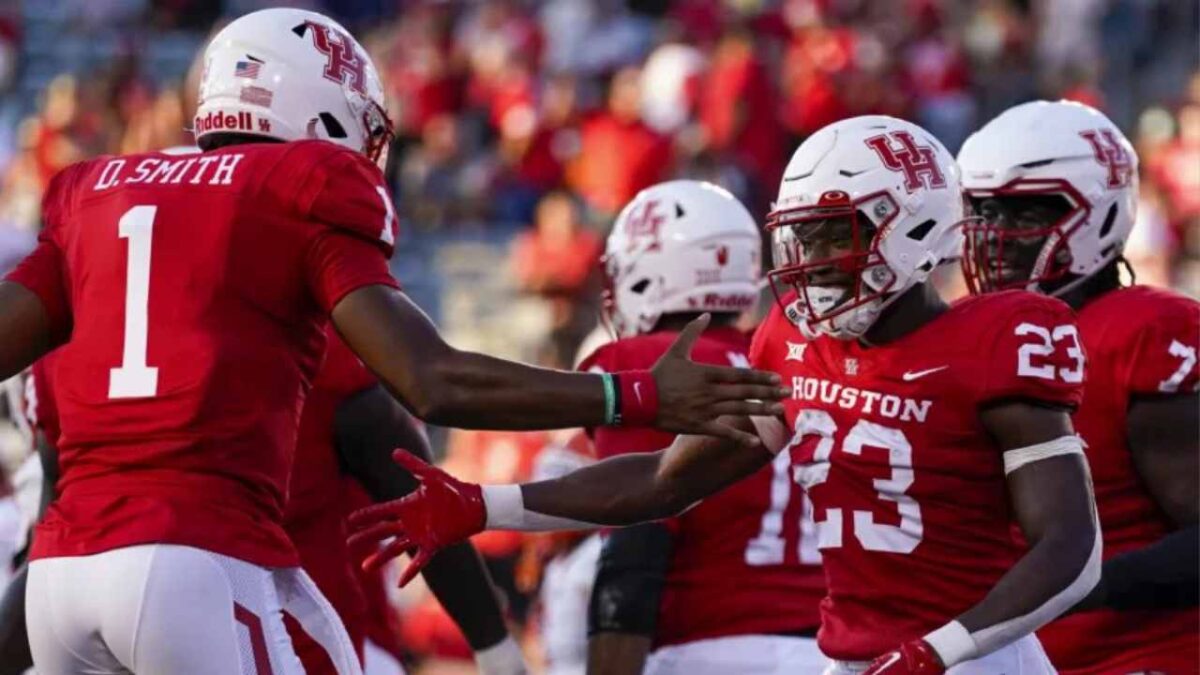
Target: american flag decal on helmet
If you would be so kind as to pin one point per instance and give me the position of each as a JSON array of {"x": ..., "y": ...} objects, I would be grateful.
[
  {"x": 256, "y": 96},
  {"x": 248, "y": 68}
]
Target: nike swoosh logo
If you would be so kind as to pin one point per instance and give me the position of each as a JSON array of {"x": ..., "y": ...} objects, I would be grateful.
[
  {"x": 909, "y": 376},
  {"x": 895, "y": 656},
  {"x": 637, "y": 391}
]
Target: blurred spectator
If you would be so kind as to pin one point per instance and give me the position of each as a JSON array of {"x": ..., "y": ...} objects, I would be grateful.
[
  {"x": 1068, "y": 36},
  {"x": 1177, "y": 168},
  {"x": 591, "y": 37},
  {"x": 738, "y": 110},
  {"x": 937, "y": 76},
  {"x": 557, "y": 260},
  {"x": 670, "y": 81},
  {"x": 814, "y": 60},
  {"x": 415, "y": 65},
  {"x": 10, "y": 35},
  {"x": 439, "y": 182},
  {"x": 619, "y": 155}
]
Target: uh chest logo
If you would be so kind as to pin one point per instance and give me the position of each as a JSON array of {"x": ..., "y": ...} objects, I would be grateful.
[{"x": 900, "y": 152}]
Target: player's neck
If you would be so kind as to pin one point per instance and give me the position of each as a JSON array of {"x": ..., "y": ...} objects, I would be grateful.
[
  {"x": 1103, "y": 281},
  {"x": 913, "y": 309}
]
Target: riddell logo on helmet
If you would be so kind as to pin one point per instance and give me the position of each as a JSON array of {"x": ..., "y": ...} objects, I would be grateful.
[
  {"x": 1109, "y": 152},
  {"x": 731, "y": 301},
  {"x": 219, "y": 121},
  {"x": 899, "y": 152}
]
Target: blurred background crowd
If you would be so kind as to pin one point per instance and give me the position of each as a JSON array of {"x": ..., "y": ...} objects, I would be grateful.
[{"x": 523, "y": 126}]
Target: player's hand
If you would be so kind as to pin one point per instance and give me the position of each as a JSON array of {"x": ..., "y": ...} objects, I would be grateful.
[
  {"x": 912, "y": 658},
  {"x": 692, "y": 396},
  {"x": 442, "y": 511}
]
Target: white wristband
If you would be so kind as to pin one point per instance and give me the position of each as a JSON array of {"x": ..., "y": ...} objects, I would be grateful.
[
  {"x": 506, "y": 511},
  {"x": 952, "y": 643},
  {"x": 502, "y": 658}
]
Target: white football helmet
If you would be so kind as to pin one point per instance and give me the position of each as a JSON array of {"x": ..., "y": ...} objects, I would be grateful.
[
  {"x": 1068, "y": 153},
  {"x": 891, "y": 192},
  {"x": 291, "y": 74},
  {"x": 680, "y": 246}
]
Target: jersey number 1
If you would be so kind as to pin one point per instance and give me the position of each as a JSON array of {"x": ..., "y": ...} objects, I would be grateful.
[{"x": 134, "y": 379}]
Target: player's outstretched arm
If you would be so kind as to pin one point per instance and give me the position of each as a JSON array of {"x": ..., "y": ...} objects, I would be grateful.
[
  {"x": 617, "y": 491},
  {"x": 1164, "y": 438},
  {"x": 1051, "y": 493},
  {"x": 368, "y": 426},
  {"x": 448, "y": 386},
  {"x": 25, "y": 331}
]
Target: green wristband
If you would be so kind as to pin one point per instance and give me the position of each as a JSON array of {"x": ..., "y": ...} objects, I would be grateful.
[{"x": 610, "y": 398}]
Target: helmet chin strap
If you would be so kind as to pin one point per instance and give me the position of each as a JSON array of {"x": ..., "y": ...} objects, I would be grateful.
[
  {"x": 850, "y": 325},
  {"x": 1079, "y": 279}
]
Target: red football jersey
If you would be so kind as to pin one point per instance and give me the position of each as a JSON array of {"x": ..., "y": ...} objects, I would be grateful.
[
  {"x": 1140, "y": 341},
  {"x": 40, "y": 409},
  {"x": 743, "y": 561},
  {"x": 910, "y": 500},
  {"x": 321, "y": 496},
  {"x": 196, "y": 290}
]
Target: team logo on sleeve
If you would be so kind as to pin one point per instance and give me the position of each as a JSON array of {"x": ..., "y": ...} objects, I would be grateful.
[
  {"x": 1109, "y": 152},
  {"x": 899, "y": 151}
]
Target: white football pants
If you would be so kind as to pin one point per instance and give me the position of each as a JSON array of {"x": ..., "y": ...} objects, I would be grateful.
[
  {"x": 741, "y": 654},
  {"x": 161, "y": 609},
  {"x": 1022, "y": 657}
]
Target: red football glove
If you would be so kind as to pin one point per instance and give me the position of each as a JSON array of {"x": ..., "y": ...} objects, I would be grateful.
[
  {"x": 442, "y": 511},
  {"x": 912, "y": 658}
]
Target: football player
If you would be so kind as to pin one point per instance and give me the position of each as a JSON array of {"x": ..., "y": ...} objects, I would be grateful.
[
  {"x": 923, "y": 431},
  {"x": 692, "y": 588},
  {"x": 190, "y": 295},
  {"x": 1054, "y": 186},
  {"x": 348, "y": 430}
]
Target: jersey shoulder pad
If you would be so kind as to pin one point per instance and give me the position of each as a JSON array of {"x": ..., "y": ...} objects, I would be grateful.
[
  {"x": 1152, "y": 334},
  {"x": 1027, "y": 346},
  {"x": 334, "y": 186},
  {"x": 774, "y": 339},
  {"x": 63, "y": 191}
]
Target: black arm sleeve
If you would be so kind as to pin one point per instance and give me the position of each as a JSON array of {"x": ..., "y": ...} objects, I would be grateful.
[
  {"x": 1163, "y": 575},
  {"x": 369, "y": 425},
  {"x": 629, "y": 580},
  {"x": 14, "y": 641}
]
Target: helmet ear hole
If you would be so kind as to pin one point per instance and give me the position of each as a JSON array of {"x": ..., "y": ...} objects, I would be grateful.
[
  {"x": 1109, "y": 220},
  {"x": 921, "y": 231},
  {"x": 332, "y": 127},
  {"x": 640, "y": 287}
]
